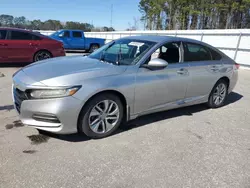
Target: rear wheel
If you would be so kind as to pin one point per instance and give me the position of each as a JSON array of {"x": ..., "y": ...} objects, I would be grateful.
[
  {"x": 218, "y": 95},
  {"x": 93, "y": 47},
  {"x": 41, "y": 55},
  {"x": 101, "y": 116}
]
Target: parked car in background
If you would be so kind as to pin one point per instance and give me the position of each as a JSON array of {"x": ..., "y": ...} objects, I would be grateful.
[
  {"x": 76, "y": 40},
  {"x": 19, "y": 45},
  {"x": 124, "y": 79}
]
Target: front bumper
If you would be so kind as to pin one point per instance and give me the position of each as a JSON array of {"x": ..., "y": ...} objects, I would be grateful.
[{"x": 66, "y": 110}]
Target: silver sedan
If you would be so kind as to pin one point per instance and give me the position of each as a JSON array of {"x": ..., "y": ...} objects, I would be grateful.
[{"x": 124, "y": 79}]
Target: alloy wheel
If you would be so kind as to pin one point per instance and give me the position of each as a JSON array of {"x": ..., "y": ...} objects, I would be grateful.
[
  {"x": 93, "y": 48},
  {"x": 42, "y": 55},
  {"x": 219, "y": 94},
  {"x": 104, "y": 116}
]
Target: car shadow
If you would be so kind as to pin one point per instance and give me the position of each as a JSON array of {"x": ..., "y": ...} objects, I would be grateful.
[
  {"x": 7, "y": 107},
  {"x": 144, "y": 120},
  {"x": 14, "y": 65},
  {"x": 84, "y": 52}
]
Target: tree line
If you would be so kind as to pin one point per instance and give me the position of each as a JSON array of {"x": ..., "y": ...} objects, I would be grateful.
[
  {"x": 195, "y": 14},
  {"x": 22, "y": 22}
]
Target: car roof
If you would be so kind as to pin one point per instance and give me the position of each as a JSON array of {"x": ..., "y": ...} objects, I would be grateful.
[
  {"x": 159, "y": 39},
  {"x": 71, "y": 30},
  {"x": 25, "y": 30},
  {"x": 16, "y": 29}
]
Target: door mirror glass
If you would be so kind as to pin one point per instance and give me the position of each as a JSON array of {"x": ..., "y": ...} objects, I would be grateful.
[
  {"x": 156, "y": 64},
  {"x": 61, "y": 35}
]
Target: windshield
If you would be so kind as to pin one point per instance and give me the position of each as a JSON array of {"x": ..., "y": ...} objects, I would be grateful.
[
  {"x": 55, "y": 33},
  {"x": 123, "y": 51}
]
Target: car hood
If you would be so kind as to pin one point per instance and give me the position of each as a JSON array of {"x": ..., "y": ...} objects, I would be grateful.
[{"x": 64, "y": 71}]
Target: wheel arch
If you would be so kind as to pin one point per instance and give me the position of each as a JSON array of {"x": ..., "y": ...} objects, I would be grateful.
[
  {"x": 126, "y": 108},
  {"x": 93, "y": 43},
  {"x": 226, "y": 79}
]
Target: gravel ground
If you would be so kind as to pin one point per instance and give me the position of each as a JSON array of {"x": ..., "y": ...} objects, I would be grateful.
[{"x": 189, "y": 147}]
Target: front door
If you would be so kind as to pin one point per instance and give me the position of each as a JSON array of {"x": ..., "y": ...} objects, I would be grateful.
[
  {"x": 65, "y": 38},
  {"x": 156, "y": 89}
]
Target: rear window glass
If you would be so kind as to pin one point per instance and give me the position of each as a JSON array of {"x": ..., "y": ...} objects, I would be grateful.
[
  {"x": 3, "y": 34},
  {"x": 215, "y": 55},
  {"x": 77, "y": 34},
  {"x": 196, "y": 52}
]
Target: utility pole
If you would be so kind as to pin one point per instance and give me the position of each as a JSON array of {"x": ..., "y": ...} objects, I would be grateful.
[
  {"x": 202, "y": 15},
  {"x": 111, "y": 20}
]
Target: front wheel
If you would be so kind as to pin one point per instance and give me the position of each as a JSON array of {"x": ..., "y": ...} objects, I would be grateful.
[
  {"x": 218, "y": 94},
  {"x": 101, "y": 116},
  {"x": 93, "y": 47}
]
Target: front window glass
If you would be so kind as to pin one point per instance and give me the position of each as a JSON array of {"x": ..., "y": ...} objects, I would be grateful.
[
  {"x": 170, "y": 52},
  {"x": 66, "y": 34},
  {"x": 123, "y": 51}
]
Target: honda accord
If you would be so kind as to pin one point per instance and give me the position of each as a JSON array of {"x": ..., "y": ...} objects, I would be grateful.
[{"x": 120, "y": 81}]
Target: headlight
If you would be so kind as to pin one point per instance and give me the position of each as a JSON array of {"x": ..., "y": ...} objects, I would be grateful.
[{"x": 53, "y": 93}]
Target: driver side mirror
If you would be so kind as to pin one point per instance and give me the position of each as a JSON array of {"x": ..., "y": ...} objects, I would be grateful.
[
  {"x": 61, "y": 35},
  {"x": 155, "y": 64}
]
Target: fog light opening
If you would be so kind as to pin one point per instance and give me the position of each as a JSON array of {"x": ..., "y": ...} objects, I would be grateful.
[{"x": 46, "y": 118}]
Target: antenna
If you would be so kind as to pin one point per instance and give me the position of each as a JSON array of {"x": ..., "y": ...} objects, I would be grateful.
[{"x": 111, "y": 20}]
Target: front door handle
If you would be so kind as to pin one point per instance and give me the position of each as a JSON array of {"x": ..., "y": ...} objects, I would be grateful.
[
  {"x": 31, "y": 44},
  {"x": 182, "y": 71},
  {"x": 3, "y": 44}
]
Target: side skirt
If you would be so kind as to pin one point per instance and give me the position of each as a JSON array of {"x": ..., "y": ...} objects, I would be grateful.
[{"x": 172, "y": 105}]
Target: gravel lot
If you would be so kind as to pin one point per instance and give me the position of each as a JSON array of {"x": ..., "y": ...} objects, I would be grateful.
[{"x": 189, "y": 147}]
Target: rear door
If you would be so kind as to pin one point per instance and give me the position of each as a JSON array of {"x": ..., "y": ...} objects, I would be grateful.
[
  {"x": 77, "y": 40},
  {"x": 204, "y": 70},
  {"x": 3, "y": 46},
  {"x": 21, "y": 46}
]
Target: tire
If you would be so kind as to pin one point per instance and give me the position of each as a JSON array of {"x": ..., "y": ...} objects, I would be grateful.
[
  {"x": 218, "y": 94},
  {"x": 41, "y": 55},
  {"x": 93, "y": 47},
  {"x": 104, "y": 118}
]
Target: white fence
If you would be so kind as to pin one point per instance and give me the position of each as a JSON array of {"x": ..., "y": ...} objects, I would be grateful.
[{"x": 234, "y": 43}]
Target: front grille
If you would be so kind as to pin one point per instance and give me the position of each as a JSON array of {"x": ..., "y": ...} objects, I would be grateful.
[{"x": 19, "y": 97}]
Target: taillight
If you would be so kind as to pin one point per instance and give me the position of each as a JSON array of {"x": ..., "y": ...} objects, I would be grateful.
[{"x": 237, "y": 65}]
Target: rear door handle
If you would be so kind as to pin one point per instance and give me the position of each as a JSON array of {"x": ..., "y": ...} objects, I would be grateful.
[
  {"x": 214, "y": 68},
  {"x": 3, "y": 44},
  {"x": 182, "y": 71}
]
